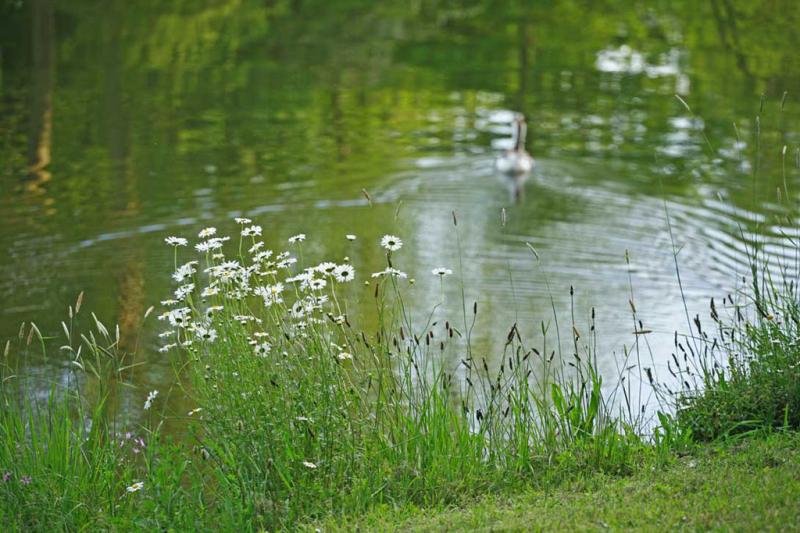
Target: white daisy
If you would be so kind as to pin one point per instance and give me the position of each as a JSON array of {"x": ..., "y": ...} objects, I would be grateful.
[
  {"x": 317, "y": 284},
  {"x": 262, "y": 349},
  {"x": 318, "y": 300},
  {"x": 179, "y": 317},
  {"x": 214, "y": 309},
  {"x": 136, "y": 487},
  {"x": 300, "y": 237},
  {"x": 326, "y": 268},
  {"x": 389, "y": 271},
  {"x": 391, "y": 243},
  {"x": 309, "y": 464},
  {"x": 150, "y": 397},
  {"x": 298, "y": 310},
  {"x": 207, "y": 232},
  {"x": 310, "y": 304},
  {"x": 301, "y": 277},
  {"x": 230, "y": 265},
  {"x": 271, "y": 294},
  {"x": 441, "y": 271},
  {"x": 261, "y": 256},
  {"x": 183, "y": 291},
  {"x": 344, "y": 273},
  {"x": 209, "y": 291},
  {"x": 242, "y": 220},
  {"x": 205, "y": 246},
  {"x": 286, "y": 263},
  {"x": 176, "y": 241},
  {"x": 206, "y": 334},
  {"x": 184, "y": 271},
  {"x": 350, "y": 237},
  {"x": 252, "y": 231},
  {"x": 244, "y": 319},
  {"x": 343, "y": 356}
]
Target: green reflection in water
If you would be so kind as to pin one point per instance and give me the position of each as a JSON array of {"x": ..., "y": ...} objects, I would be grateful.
[{"x": 123, "y": 122}]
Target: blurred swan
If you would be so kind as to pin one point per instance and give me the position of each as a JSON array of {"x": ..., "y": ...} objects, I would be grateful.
[
  {"x": 516, "y": 186},
  {"x": 516, "y": 161}
]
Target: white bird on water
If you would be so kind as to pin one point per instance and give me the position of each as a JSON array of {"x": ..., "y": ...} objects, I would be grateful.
[{"x": 517, "y": 160}]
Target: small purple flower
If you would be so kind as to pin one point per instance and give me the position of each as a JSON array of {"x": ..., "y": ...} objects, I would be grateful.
[
  {"x": 6, "y": 476},
  {"x": 140, "y": 442},
  {"x": 128, "y": 435},
  {"x": 25, "y": 480}
]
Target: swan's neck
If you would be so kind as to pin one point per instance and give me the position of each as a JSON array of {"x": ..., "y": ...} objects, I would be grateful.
[{"x": 519, "y": 136}]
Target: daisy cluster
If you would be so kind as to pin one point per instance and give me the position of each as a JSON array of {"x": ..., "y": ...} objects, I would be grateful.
[
  {"x": 216, "y": 288},
  {"x": 254, "y": 285}
]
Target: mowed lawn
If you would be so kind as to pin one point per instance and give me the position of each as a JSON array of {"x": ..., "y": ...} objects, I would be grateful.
[{"x": 752, "y": 484}]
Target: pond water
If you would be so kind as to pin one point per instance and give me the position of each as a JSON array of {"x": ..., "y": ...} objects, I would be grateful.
[{"x": 124, "y": 122}]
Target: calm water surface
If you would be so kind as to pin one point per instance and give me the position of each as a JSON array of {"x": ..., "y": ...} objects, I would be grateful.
[{"x": 124, "y": 122}]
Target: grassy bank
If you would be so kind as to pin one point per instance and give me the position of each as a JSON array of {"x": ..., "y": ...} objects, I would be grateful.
[
  {"x": 303, "y": 412},
  {"x": 747, "y": 485}
]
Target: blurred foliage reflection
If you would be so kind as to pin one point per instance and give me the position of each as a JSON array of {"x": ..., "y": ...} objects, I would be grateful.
[{"x": 122, "y": 122}]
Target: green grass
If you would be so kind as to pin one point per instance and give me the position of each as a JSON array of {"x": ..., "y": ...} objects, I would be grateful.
[
  {"x": 753, "y": 381},
  {"x": 746, "y": 485}
]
